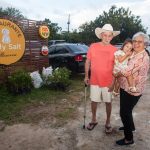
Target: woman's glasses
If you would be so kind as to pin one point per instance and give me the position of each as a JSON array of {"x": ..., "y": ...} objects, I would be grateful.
[{"x": 138, "y": 42}]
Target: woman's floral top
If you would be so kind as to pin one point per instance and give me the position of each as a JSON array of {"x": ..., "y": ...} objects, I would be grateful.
[{"x": 138, "y": 66}]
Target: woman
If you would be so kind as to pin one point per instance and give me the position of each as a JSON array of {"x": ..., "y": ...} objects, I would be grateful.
[{"x": 138, "y": 66}]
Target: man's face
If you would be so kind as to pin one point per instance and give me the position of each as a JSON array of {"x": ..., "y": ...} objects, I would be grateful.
[{"x": 106, "y": 37}]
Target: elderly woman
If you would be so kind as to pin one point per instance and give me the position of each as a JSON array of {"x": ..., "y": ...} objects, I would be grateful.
[{"x": 138, "y": 66}]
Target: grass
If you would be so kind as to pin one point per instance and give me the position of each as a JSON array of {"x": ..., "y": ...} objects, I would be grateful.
[{"x": 11, "y": 106}]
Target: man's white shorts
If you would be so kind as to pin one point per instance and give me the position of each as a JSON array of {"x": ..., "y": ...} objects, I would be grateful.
[{"x": 100, "y": 94}]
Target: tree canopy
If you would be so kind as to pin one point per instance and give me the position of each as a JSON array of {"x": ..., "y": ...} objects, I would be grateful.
[
  {"x": 17, "y": 14},
  {"x": 54, "y": 29},
  {"x": 12, "y": 12},
  {"x": 120, "y": 18}
]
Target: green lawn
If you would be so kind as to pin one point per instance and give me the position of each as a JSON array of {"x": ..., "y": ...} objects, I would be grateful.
[{"x": 11, "y": 106}]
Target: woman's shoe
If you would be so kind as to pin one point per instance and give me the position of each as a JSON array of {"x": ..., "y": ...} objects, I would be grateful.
[{"x": 123, "y": 142}]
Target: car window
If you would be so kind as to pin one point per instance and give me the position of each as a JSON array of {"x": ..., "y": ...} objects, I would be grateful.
[
  {"x": 51, "y": 49},
  {"x": 57, "y": 42},
  {"x": 119, "y": 45},
  {"x": 61, "y": 50},
  {"x": 52, "y": 42},
  {"x": 148, "y": 48},
  {"x": 78, "y": 48}
]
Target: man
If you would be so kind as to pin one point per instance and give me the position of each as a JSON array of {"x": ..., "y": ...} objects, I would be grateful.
[{"x": 100, "y": 62}]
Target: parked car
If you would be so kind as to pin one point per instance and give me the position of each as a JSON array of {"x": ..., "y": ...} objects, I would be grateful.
[
  {"x": 118, "y": 45},
  {"x": 148, "y": 49},
  {"x": 52, "y": 42},
  {"x": 69, "y": 55}
]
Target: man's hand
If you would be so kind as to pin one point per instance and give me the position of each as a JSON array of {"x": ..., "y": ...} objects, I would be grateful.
[
  {"x": 110, "y": 88},
  {"x": 86, "y": 80}
]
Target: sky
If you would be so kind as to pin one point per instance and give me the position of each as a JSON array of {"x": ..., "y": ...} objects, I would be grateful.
[{"x": 80, "y": 11}]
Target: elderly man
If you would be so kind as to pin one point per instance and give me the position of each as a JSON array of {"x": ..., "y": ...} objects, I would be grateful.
[{"x": 100, "y": 61}]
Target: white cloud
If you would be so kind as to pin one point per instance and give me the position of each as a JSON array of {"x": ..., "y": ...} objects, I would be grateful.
[{"x": 81, "y": 11}]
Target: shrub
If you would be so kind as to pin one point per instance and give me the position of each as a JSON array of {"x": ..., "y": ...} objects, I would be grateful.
[
  {"x": 2, "y": 77},
  {"x": 19, "y": 82},
  {"x": 59, "y": 80}
]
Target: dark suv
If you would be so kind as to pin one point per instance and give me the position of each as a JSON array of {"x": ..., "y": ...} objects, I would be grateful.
[{"x": 71, "y": 56}]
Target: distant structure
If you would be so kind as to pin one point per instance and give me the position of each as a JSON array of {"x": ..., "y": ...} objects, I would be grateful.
[{"x": 68, "y": 22}]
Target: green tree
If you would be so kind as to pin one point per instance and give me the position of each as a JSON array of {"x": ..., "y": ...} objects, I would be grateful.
[
  {"x": 74, "y": 37},
  {"x": 12, "y": 12},
  {"x": 54, "y": 29},
  {"x": 87, "y": 33},
  {"x": 121, "y": 19}
]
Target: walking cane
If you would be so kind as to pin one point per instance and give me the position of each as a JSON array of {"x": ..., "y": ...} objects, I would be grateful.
[{"x": 85, "y": 95}]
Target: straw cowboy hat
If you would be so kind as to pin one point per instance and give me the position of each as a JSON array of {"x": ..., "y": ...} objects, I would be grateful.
[{"x": 105, "y": 28}]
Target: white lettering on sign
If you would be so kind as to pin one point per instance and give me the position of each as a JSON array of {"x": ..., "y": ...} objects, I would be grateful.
[
  {"x": 15, "y": 46},
  {"x": 4, "y": 47}
]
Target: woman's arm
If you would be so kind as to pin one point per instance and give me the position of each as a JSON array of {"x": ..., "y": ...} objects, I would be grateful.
[{"x": 135, "y": 65}]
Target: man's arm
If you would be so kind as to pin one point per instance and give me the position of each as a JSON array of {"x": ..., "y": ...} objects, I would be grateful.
[{"x": 87, "y": 69}]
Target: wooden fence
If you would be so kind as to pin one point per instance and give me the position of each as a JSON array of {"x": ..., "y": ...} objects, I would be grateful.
[{"x": 32, "y": 59}]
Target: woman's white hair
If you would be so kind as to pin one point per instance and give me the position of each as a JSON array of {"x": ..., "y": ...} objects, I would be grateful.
[{"x": 145, "y": 36}]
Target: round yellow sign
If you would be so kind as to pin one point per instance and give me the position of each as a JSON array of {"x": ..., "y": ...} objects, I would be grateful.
[
  {"x": 44, "y": 32},
  {"x": 12, "y": 42}
]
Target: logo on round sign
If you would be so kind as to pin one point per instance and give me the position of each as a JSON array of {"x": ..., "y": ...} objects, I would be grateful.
[
  {"x": 12, "y": 42},
  {"x": 44, "y": 32},
  {"x": 44, "y": 50}
]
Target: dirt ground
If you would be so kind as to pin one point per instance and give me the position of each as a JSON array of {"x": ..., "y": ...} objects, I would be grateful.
[{"x": 46, "y": 135}]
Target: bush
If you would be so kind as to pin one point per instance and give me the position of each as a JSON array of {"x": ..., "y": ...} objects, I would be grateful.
[
  {"x": 59, "y": 80},
  {"x": 2, "y": 78},
  {"x": 19, "y": 82}
]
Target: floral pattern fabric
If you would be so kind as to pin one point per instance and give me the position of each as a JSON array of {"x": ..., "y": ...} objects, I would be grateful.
[
  {"x": 138, "y": 66},
  {"x": 119, "y": 65}
]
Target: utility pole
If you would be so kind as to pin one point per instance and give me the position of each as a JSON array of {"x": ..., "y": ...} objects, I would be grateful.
[
  {"x": 68, "y": 27},
  {"x": 68, "y": 22}
]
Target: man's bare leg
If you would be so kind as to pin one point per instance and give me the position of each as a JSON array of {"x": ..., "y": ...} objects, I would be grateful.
[
  {"x": 93, "y": 122},
  {"x": 108, "y": 113},
  {"x": 108, "y": 128},
  {"x": 94, "y": 109}
]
